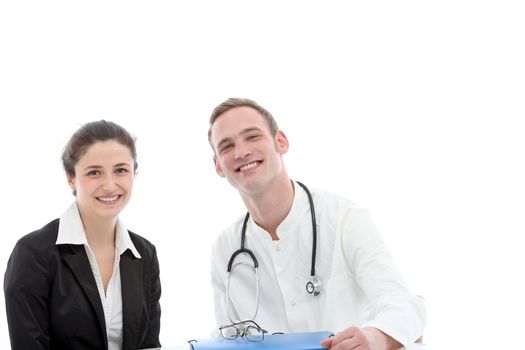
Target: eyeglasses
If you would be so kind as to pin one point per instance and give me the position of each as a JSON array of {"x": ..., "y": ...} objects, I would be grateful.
[{"x": 247, "y": 329}]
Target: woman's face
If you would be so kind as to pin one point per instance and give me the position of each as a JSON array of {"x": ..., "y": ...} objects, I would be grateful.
[{"x": 103, "y": 180}]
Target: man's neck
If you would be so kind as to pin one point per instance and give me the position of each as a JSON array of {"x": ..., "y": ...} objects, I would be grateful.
[{"x": 269, "y": 208}]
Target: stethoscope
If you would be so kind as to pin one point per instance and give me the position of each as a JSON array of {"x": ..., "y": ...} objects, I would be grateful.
[{"x": 313, "y": 286}]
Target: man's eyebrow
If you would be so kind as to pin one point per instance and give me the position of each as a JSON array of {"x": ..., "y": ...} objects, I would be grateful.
[
  {"x": 242, "y": 132},
  {"x": 248, "y": 130}
]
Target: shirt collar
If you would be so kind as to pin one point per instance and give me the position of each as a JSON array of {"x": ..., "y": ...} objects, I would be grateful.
[
  {"x": 71, "y": 231},
  {"x": 300, "y": 208}
]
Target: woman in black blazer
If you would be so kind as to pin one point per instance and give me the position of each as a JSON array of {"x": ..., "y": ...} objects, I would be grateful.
[{"x": 84, "y": 281}]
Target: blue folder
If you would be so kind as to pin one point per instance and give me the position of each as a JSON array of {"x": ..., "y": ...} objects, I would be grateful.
[{"x": 286, "y": 341}]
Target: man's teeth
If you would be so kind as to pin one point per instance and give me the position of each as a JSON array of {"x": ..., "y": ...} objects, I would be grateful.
[
  {"x": 248, "y": 166},
  {"x": 108, "y": 199}
]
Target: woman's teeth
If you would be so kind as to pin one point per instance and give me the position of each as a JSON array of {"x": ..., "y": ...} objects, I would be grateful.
[{"x": 108, "y": 199}]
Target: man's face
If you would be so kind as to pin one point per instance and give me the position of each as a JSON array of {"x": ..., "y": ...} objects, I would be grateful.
[{"x": 246, "y": 152}]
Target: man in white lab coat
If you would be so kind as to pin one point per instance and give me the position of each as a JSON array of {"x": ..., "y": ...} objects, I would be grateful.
[{"x": 329, "y": 271}]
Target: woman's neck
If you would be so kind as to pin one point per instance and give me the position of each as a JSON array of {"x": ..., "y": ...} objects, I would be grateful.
[{"x": 100, "y": 232}]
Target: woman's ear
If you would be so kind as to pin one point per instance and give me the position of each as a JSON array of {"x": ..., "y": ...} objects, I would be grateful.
[{"x": 72, "y": 184}]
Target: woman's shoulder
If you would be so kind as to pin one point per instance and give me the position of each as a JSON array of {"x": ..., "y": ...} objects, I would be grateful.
[
  {"x": 32, "y": 254},
  {"x": 40, "y": 239}
]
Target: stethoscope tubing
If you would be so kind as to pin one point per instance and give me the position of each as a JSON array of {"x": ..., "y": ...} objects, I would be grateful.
[
  {"x": 312, "y": 286},
  {"x": 314, "y": 228}
]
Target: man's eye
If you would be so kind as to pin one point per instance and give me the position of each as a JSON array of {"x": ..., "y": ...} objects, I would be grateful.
[
  {"x": 252, "y": 137},
  {"x": 226, "y": 147}
]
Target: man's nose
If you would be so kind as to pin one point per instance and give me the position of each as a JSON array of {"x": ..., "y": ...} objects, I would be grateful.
[{"x": 242, "y": 150}]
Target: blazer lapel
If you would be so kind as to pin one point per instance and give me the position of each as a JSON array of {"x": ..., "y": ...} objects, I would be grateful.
[
  {"x": 77, "y": 260},
  {"x": 131, "y": 276}
]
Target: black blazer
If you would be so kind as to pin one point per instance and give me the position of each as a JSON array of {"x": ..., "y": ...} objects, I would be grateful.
[{"x": 52, "y": 301}]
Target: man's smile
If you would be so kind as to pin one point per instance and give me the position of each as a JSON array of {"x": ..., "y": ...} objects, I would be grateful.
[{"x": 248, "y": 166}]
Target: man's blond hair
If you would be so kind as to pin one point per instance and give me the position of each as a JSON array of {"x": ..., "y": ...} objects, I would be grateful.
[{"x": 235, "y": 102}]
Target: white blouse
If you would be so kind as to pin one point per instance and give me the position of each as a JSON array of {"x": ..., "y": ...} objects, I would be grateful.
[{"x": 71, "y": 231}]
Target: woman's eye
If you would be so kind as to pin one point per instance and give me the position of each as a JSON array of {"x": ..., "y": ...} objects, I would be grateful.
[
  {"x": 121, "y": 170},
  {"x": 93, "y": 173}
]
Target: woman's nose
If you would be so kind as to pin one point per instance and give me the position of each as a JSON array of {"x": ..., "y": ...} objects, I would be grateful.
[{"x": 109, "y": 183}]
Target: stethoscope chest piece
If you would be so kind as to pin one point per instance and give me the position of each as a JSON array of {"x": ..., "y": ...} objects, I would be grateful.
[{"x": 313, "y": 286}]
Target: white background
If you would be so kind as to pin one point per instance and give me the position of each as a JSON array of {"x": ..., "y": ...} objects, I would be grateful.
[{"x": 412, "y": 109}]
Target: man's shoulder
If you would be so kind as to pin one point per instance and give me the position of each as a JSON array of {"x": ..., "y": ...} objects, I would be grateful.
[
  {"x": 327, "y": 198},
  {"x": 231, "y": 234},
  {"x": 334, "y": 208}
]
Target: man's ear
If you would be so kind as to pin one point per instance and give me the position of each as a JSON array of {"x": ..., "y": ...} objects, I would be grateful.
[
  {"x": 281, "y": 142},
  {"x": 218, "y": 168}
]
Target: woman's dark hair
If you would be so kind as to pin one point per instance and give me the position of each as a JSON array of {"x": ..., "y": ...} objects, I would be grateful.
[{"x": 90, "y": 133}]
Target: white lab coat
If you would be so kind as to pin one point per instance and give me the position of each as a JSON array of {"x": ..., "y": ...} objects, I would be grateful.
[{"x": 361, "y": 286}]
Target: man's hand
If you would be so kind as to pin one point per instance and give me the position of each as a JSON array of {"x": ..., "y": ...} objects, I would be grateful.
[{"x": 355, "y": 338}]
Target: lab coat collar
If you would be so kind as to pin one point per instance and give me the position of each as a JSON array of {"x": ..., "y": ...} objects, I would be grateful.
[{"x": 71, "y": 231}]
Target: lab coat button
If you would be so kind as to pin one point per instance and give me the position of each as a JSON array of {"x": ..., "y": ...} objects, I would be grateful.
[
  {"x": 278, "y": 248},
  {"x": 292, "y": 302}
]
